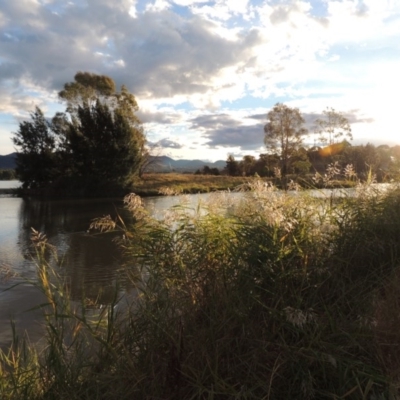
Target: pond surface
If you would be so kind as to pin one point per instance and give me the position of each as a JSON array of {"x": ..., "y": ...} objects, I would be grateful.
[
  {"x": 9, "y": 184},
  {"x": 90, "y": 262}
]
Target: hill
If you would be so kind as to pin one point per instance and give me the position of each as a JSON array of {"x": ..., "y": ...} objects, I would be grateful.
[
  {"x": 7, "y": 161},
  {"x": 165, "y": 164},
  {"x": 157, "y": 164}
]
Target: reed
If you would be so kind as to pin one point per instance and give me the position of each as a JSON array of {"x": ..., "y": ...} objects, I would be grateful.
[{"x": 269, "y": 295}]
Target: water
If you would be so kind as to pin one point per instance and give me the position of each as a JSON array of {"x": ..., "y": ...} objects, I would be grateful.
[
  {"x": 90, "y": 262},
  {"x": 9, "y": 184}
]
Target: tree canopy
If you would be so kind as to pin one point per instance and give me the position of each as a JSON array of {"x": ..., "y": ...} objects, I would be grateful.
[
  {"x": 96, "y": 144},
  {"x": 284, "y": 133},
  {"x": 36, "y": 160},
  {"x": 333, "y": 127}
]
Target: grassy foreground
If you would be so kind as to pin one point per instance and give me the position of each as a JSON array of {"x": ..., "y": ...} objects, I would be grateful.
[{"x": 272, "y": 296}]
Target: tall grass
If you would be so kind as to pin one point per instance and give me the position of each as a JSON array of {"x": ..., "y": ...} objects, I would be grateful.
[{"x": 271, "y": 296}]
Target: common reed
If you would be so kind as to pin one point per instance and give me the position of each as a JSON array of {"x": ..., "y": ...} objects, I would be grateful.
[{"x": 265, "y": 295}]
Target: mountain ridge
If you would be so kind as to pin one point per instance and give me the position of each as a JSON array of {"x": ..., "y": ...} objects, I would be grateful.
[
  {"x": 157, "y": 163},
  {"x": 7, "y": 161}
]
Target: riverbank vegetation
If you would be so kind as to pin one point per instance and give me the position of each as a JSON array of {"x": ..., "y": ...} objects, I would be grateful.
[
  {"x": 267, "y": 295},
  {"x": 156, "y": 184},
  {"x": 383, "y": 161},
  {"x": 7, "y": 175},
  {"x": 96, "y": 145}
]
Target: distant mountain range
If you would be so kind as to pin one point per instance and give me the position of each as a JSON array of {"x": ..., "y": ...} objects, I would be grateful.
[
  {"x": 164, "y": 163},
  {"x": 160, "y": 163},
  {"x": 8, "y": 161}
]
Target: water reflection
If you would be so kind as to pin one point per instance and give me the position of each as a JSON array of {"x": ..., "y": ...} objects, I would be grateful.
[
  {"x": 93, "y": 267},
  {"x": 91, "y": 263}
]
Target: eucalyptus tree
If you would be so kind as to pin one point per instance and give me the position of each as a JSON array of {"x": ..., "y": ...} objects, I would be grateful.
[
  {"x": 284, "y": 133},
  {"x": 103, "y": 133},
  {"x": 232, "y": 166},
  {"x": 36, "y": 156},
  {"x": 247, "y": 165},
  {"x": 105, "y": 150},
  {"x": 333, "y": 127},
  {"x": 86, "y": 88},
  {"x": 98, "y": 140}
]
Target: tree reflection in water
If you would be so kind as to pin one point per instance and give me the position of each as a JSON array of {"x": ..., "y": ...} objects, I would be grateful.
[{"x": 90, "y": 263}]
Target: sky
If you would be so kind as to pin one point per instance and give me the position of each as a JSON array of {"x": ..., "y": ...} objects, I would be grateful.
[{"x": 206, "y": 73}]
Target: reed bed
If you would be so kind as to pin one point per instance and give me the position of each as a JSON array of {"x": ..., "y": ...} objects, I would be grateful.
[{"x": 273, "y": 295}]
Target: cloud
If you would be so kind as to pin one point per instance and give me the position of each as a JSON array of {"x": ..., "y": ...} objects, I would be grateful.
[
  {"x": 283, "y": 13},
  {"x": 159, "y": 54},
  {"x": 167, "y": 144},
  {"x": 222, "y": 130},
  {"x": 258, "y": 117},
  {"x": 159, "y": 117},
  {"x": 204, "y": 54}
]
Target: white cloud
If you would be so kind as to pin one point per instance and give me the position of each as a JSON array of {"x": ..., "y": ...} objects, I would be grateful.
[
  {"x": 223, "y": 10},
  {"x": 187, "y": 58},
  {"x": 187, "y": 3},
  {"x": 158, "y": 5}
]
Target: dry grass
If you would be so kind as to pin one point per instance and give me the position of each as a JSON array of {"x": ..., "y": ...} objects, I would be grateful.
[
  {"x": 276, "y": 295},
  {"x": 152, "y": 184}
]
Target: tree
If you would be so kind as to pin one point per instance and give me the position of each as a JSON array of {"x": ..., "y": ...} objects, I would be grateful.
[
  {"x": 300, "y": 162},
  {"x": 98, "y": 141},
  {"x": 95, "y": 96},
  {"x": 232, "y": 166},
  {"x": 105, "y": 149},
  {"x": 247, "y": 165},
  {"x": 36, "y": 160},
  {"x": 332, "y": 127},
  {"x": 284, "y": 133},
  {"x": 86, "y": 88},
  {"x": 206, "y": 170},
  {"x": 7, "y": 174},
  {"x": 266, "y": 164}
]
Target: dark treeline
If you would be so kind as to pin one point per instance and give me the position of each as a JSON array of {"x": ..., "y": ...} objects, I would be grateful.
[
  {"x": 95, "y": 147},
  {"x": 7, "y": 174},
  {"x": 382, "y": 161},
  {"x": 334, "y": 157},
  {"x": 206, "y": 170}
]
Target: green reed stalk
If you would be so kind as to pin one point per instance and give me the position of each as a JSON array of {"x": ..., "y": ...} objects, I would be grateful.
[{"x": 270, "y": 296}]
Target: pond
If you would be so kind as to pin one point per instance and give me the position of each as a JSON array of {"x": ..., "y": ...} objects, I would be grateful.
[
  {"x": 9, "y": 184},
  {"x": 90, "y": 262}
]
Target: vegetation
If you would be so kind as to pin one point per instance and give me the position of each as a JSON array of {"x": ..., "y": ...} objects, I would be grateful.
[
  {"x": 270, "y": 295},
  {"x": 333, "y": 127},
  {"x": 37, "y": 159},
  {"x": 7, "y": 174},
  {"x": 156, "y": 184},
  {"x": 383, "y": 161},
  {"x": 95, "y": 146},
  {"x": 206, "y": 170},
  {"x": 284, "y": 132},
  {"x": 288, "y": 158}
]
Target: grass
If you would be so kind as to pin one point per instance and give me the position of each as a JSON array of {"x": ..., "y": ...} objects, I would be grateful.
[
  {"x": 153, "y": 184},
  {"x": 272, "y": 296}
]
